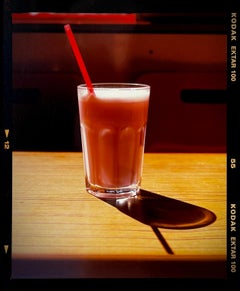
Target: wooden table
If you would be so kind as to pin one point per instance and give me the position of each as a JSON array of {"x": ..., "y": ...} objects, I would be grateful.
[{"x": 176, "y": 228}]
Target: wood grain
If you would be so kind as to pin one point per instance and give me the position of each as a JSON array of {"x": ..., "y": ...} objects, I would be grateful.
[{"x": 59, "y": 230}]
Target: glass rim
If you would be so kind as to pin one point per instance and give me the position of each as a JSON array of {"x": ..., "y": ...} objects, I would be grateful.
[{"x": 115, "y": 85}]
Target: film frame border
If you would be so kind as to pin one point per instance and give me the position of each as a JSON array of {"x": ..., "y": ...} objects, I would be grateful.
[{"x": 233, "y": 145}]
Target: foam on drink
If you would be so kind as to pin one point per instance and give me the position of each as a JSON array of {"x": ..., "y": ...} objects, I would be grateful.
[{"x": 125, "y": 94}]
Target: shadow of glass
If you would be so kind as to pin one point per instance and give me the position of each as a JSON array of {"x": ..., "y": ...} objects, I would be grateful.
[
  {"x": 163, "y": 212},
  {"x": 159, "y": 211}
]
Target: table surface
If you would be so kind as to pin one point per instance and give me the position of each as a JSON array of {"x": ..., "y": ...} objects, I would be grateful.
[{"x": 175, "y": 228}]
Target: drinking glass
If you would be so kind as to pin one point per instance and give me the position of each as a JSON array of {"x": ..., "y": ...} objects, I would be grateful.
[{"x": 113, "y": 120}]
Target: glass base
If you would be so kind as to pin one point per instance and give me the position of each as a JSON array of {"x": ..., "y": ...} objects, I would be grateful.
[{"x": 112, "y": 193}]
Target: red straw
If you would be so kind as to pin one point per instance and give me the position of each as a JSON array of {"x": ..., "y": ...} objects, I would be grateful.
[{"x": 78, "y": 56}]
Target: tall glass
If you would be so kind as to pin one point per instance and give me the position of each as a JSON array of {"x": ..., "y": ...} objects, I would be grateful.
[{"x": 113, "y": 124}]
